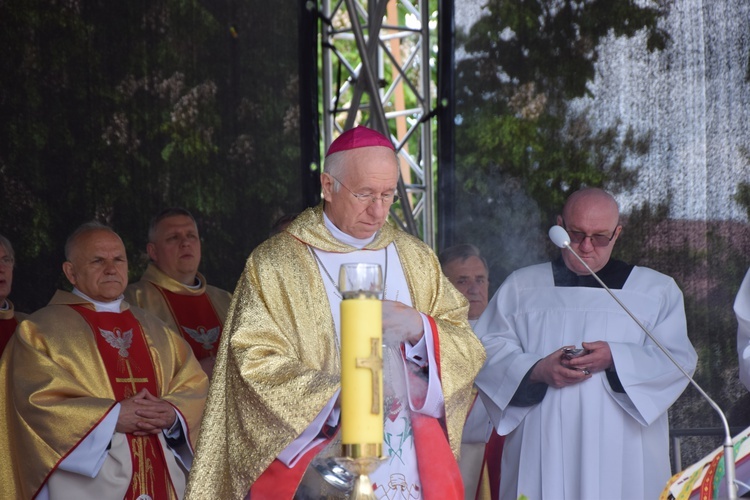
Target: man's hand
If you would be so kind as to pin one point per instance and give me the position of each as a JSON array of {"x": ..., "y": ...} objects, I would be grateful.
[
  {"x": 597, "y": 358},
  {"x": 144, "y": 414},
  {"x": 554, "y": 373},
  {"x": 401, "y": 323}
]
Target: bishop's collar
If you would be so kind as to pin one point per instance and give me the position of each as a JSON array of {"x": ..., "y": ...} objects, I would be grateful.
[{"x": 347, "y": 239}]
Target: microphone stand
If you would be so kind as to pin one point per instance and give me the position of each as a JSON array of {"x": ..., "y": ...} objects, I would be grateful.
[{"x": 559, "y": 237}]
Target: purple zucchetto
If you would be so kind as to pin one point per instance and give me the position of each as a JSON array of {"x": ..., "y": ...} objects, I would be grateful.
[{"x": 359, "y": 137}]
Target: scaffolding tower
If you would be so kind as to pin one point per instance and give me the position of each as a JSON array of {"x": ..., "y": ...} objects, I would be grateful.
[{"x": 377, "y": 69}]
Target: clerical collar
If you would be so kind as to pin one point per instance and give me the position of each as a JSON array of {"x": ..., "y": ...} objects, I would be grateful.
[
  {"x": 614, "y": 274},
  {"x": 344, "y": 238},
  {"x": 113, "y": 306},
  {"x": 197, "y": 284}
]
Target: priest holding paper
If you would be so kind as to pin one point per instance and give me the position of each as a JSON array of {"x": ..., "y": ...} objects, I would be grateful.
[
  {"x": 593, "y": 426},
  {"x": 273, "y": 413}
]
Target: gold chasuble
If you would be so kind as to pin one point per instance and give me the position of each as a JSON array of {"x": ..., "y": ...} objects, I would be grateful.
[
  {"x": 278, "y": 363},
  {"x": 9, "y": 319},
  {"x": 198, "y": 314},
  {"x": 62, "y": 373}
]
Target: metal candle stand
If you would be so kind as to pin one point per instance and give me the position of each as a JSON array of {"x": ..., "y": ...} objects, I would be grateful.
[{"x": 361, "y": 465}]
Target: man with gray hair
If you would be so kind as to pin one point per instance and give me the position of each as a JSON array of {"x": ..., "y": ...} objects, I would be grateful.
[
  {"x": 467, "y": 269},
  {"x": 481, "y": 448},
  {"x": 9, "y": 317},
  {"x": 273, "y": 407}
]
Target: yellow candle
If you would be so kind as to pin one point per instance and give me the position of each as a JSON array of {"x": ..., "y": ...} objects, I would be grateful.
[{"x": 361, "y": 375}]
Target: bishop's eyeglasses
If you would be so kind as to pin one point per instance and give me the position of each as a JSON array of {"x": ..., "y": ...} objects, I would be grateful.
[
  {"x": 370, "y": 199},
  {"x": 597, "y": 240}
]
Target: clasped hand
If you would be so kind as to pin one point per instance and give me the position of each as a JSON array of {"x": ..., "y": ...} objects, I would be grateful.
[
  {"x": 557, "y": 371},
  {"x": 144, "y": 414},
  {"x": 401, "y": 323}
]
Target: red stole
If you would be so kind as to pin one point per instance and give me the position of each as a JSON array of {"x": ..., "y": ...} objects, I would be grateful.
[
  {"x": 438, "y": 468},
  {"x": 493, "y": 454},
  {"x": 196, "y": 319},
  {"x": 7, "y": 327},
  {"x": 125, "y": 353},
  {"x": 280, "y": 481},
  {"x": 489, "y": 475}
]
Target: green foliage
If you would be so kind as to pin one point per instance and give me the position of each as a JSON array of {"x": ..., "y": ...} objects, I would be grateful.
[
  {"x": 525, "y": 62},
  {"x": 742, "y": 196}
]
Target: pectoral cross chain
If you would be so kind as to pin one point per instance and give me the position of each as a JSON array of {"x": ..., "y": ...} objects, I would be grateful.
[{"x": 375, "y": 364}]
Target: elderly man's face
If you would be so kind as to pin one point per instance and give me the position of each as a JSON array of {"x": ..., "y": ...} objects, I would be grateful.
[
  {"x": 98, "y": 265},
  {"x": 369, "y": 171},
  {"x": 591, "y": 214},
  {"x": 176, "y": 248},
  {"x": 6, "y": 274},
  {"x": 470, "y": 277}
]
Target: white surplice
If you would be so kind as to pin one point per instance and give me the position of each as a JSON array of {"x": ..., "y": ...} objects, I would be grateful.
[
  {"x": 585, "y": 441},
  {"x": 742, "y": 311}
]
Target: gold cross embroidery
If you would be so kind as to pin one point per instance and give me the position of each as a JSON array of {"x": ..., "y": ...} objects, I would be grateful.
[
  {"x": 132, "y": 380},
  {"x": 375, "y": 364}
]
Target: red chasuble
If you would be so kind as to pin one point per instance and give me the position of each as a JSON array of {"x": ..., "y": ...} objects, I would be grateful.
[
  {"x": 197, "y": 320},
  {"x": 124, "y": 351},
  {"x": 7, "y": 327}
]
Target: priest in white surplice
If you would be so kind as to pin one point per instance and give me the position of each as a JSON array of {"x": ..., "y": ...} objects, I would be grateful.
[
  {"x": 742, "y": 311},
  {"x": 592, "y": 427}
]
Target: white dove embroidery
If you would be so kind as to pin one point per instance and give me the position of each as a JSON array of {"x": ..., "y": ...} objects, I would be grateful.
[
  {"x": 203, "y": 336},
  {"x": 119, "y": 340}
]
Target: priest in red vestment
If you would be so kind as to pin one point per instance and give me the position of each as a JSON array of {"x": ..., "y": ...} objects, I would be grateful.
[
  {"x": 97, "y": 399},
  {"x": 174, "y": 290},
  {"x": 9, "y": 317}
]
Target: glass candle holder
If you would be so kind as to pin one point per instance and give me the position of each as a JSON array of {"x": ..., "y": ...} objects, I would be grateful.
[{"x": 361, "y": 281}]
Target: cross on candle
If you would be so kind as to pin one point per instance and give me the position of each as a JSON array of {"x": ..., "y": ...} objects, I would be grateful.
[{"x": 375, "y": 364}]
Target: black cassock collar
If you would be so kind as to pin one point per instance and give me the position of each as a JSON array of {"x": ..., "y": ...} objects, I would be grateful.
[{"x": 614, "y": 274}]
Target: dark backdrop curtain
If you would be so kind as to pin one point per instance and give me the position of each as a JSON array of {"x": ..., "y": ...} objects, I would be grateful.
[{"x": 115, "y": 110}]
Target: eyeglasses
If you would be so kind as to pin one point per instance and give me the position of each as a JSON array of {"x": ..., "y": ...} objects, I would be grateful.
[
  {"x": 597, "y": 240},
  {"x": 7, "y": 261},
  {"x": 370, "y": 199}
]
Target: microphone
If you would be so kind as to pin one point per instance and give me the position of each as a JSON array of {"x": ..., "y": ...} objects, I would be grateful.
[{"x": 559, "y": 237}]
